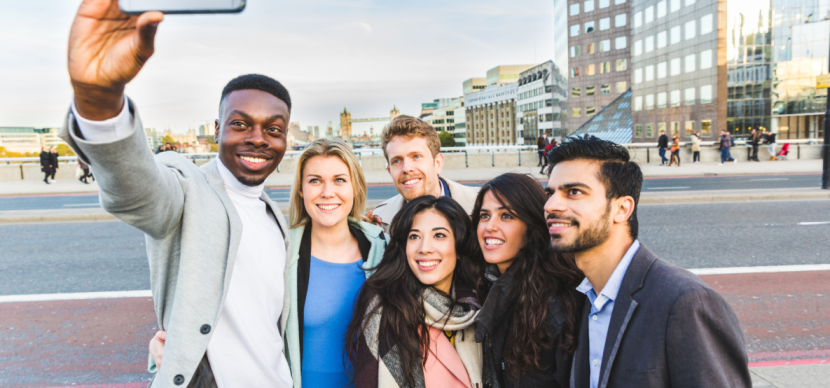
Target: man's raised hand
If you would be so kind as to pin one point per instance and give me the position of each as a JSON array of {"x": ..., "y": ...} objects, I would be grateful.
[{"x": 107, "y": 49}]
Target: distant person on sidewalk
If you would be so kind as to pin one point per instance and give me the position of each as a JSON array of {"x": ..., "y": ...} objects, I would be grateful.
[
  {"x": 696, "y": 147},
  {"x": 754, "y": 141},
  {"x": 770, "y": 140},
  {"x": 541, "y": 146},
  {"x": 675, "y": 151},
  {"x": 662, "y": 144},
  {"x": 549, "y": 147},
  {"x": 85, "y": 169},
  {"x": 160, "y": 149},
  {"x": 414, "y": 160},
  {"x": 53, "y": 159},
  {"x": 725, "y": 145},
  {"x": 46, "y": 164},
  {"x": 647, "y": 323}
]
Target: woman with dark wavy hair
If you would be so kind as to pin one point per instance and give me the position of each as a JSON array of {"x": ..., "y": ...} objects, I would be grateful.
[
  {"x": 414, "y": 319},
  {"x": 528, "y": 323}
]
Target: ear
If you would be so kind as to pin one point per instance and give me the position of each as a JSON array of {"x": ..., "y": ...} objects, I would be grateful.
[
  {"x": 439, "y": 163},
  {"x": 622, "y": 209},
  {"x": 389, "y": 170},
  {"x": 216, "y": 134}
]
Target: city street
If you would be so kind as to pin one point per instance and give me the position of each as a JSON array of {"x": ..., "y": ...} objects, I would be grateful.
[
  {"x": 785, "y": 316},
  {"x": 384, "y": 191}
]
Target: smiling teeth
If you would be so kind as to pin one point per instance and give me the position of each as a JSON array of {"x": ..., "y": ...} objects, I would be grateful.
[
  {"x": 493, "y": 241},
  {"x": 328, "y": 207},
  {"x": 558, "y": 225},
  {"x": 431, "y": 263},
  {"x": 252, "y": 160},
  {"x": 411, "y": 181}
]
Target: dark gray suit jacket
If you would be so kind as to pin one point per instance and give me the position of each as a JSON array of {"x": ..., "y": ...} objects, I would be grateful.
[{"x": 668, "y": 329}]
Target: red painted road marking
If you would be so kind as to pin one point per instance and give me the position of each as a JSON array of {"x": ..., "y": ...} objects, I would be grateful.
[
  {"x": 132, "y": 385},
  {"x": 818, "y": 361}
]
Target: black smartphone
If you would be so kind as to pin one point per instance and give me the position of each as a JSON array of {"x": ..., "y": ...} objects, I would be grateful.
[{"x": 137, "y": 7}]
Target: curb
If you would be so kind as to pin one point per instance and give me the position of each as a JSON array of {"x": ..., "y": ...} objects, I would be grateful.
[
  {"x": 57, "y": 218},
  {"x": 733, "y": 198}
]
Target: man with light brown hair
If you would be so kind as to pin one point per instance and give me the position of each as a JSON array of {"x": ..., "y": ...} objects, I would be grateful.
[{"x": 413, "y": 155}]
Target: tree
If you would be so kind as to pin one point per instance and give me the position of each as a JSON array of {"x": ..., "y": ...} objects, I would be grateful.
[
  {"x": 168, "y": 139},
  {"x": 64, "y": 150},
  {"x": 446, "y": 139},
  {"x": 214, "y": 148}
]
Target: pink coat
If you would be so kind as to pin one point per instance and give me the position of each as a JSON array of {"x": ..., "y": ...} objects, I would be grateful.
[{"x": 444, "y": 367}]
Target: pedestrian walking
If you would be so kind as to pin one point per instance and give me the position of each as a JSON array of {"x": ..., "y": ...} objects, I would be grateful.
[
  {"x": 770, "y": 140},
  {"x": 46, "y": 164},
  {"x": 541, "y": 146},
  {"x": 675, "y": 151},
  {"x": 754, "y": 141},
  {"x": 696, "y": 148},
  {"x": 53, "y": 159},
  {"x": 662, "y": 144},
  {"x": 549, "y": 147},
  {"x": 725, "y": 144},
  {"x": 85, "y": 169}
]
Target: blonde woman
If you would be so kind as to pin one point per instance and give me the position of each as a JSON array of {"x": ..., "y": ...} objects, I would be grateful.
[{"x": 329, "y": 252}]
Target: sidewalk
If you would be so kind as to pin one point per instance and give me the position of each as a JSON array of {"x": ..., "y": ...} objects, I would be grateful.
[
  {"x": 17, "y": 188},
  {"x": 799, "y": 376}
]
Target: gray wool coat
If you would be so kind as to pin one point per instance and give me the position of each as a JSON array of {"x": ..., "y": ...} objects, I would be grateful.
[{"x": 192, "y": 234}]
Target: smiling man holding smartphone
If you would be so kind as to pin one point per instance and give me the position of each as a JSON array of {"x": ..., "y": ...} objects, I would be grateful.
[{"x": 218, "y": 292}]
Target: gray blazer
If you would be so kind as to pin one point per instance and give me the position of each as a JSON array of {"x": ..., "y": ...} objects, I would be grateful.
[
  {"x": 192, "y": 232},
  {"x": 668, "y": 329}
]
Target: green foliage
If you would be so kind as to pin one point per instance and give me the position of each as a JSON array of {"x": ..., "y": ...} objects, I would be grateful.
[
  {"x": 168, "y": 139},
  {"x": 446, "y": 139},
  {"x": 64, "y": 150},
  {"x": 9, "y": 154},
  {"x": 214, "y": 148}
]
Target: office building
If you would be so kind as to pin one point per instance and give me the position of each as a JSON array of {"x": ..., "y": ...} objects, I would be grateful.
[
  {"x": 599, "y": 54},
  {"x": 28, "y": 139},
  {"x": 540, "y": 100},
  {"x": 473, "y": 84},
  {"x": 491, "y": 115}
]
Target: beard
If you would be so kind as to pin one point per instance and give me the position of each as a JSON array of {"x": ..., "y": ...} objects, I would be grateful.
[
  {"x": 250, "y": 181},
  {"x": 593, "y": 236}
]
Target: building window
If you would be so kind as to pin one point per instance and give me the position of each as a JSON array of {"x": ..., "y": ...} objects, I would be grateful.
[
  {"x": 675, "y": 5},
  {"x": 661, "y": 39},
  {"x": 622, "y": 65},
  {"x": 675, "y": 34},
  {"x": 576, "y": 112},
  {"x": 605, "y": 45},
  {"x": 661, "y": 127},
  {"x": 649, "y": 73},
  {"x": 705, "y": 94},
  {"x": 618, "y": 2},
  {"x": 622, "y": 86},
  {"x": 675, "y": 98},
  {"x": 690, "y": 128},
  {"x": 589, "y": 27},
  {"x": 638, "y": 47},
  {"x": 604, "y": 67},
  {"x": 604, "y": 4},
  {"x": 589, "y": 70},
  {"x": 574, "y": 72},
  {"x": 690, "y": 30},
  {"x": 590, "y": 111},
  {"x": 575, "y": 30},
  {"x": 575, "y": 92},
  {"x": 638, "y": 76},
  {"x": 638, "y": 19},
  {"x": 574, "y": 51},
  {"x": 619, "y": 20},
  {"x": 590, "y": 48},
  {"x": 605, "y": 89},
  {"x": 649, "y": 14},
  {"x": 661, "y": 70},
  {"x": 661, "y": 100},
  {"x": 690, "y": 96},
  {"x": 649, "y": 101},
  {"x": 589, "y": 6},
  {"x": 574, "y": 9},
  {"x": 706, "y": 24},
  {"x": 649, "y": 43},
  {"x": 706, "y": 128},
  {"x": 638, "y": 103},
  {"x": 690, "y": 63},
  {"x": 675, "y": 128},
  {"x": 689, "y": 2},
  {"x": 649, "y": 130},
  {"x": 589, "y": 90},
  {"x": 661, "y": 9},
  {"x": 604, "y": 24},
  {"x": 638, "y": 130},
  {"x": 620, "y": 42},
  {"x": 705, "y": 59},
  {"x": 675, "y": 66}
]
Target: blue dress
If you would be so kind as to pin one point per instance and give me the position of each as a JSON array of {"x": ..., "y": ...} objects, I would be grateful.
[{"x": 329, "y": 303}]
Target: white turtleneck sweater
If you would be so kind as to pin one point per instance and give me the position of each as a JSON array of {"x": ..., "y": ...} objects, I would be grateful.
[{"x": 246, "y": 349}]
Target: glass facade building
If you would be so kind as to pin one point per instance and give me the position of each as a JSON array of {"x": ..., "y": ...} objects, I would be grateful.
[{"x": 540, "y": 100}]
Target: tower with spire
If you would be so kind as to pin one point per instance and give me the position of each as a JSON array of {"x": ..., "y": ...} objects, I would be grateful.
[
  {"x": 345, "y": 124},
  {"x": 394, "y": 112}
]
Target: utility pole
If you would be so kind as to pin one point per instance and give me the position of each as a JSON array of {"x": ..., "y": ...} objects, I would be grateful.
[{"x": 825, "y": 176}]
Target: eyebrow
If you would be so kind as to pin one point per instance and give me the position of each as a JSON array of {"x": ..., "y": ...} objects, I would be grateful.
[
  {"x": 572, "y": 185},
  {"x": 249, "y": 118}
]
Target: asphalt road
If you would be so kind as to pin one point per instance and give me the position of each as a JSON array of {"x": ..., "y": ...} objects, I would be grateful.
[
  {"x": 381, "y": 192},
  {"x": 110, "y": 256}
]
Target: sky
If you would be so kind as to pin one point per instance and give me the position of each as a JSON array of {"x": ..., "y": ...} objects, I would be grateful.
[{"x": 363, "y": 55}]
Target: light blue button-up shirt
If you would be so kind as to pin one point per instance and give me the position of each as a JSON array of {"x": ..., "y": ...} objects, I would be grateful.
[{"x": 602, "y": 307}]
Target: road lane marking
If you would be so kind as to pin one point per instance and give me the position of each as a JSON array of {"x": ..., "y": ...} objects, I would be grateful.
[
  {"x": 814, "y": 223},
  {"x": 769, "y": 179},
  {"x": 76, "y": 296},
  {"x": 82, "y": 204},
  {"x": 762, "y": 269},
  {"x": 668, "y": 188}
]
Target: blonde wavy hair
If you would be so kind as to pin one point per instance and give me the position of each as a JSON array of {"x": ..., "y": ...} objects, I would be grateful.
[{"x": 327, "y": 147}]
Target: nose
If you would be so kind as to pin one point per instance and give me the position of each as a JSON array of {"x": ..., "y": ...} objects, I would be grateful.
[
  {"x": 327, "y": 190},
  {"x": 256, "y": 137},
  {"x": 491, "y": 225},
  {"x": 407, "y": 165},
  {"x": 554, "y": 204},
  {"x": 426, "y": 246}
]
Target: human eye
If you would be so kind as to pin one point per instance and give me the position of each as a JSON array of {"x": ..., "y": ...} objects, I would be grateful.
[
  {"x": 574, "y": 192},
  {"x": 275, "y": 129},
  {"x": 440, "y": 235},
  {"x": 483, "y": 216},
  {"x": 507, "y": 216},
  {"x": 414, "y": 236},
  {"x": 238, "y": 123},
  {"x": 340, "y": 180},
  {"x": 313, "y": 180}
]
